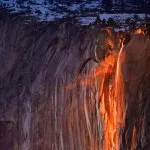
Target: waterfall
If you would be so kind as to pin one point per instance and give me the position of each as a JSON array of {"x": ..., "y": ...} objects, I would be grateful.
[{"x": 101, "y": 97}]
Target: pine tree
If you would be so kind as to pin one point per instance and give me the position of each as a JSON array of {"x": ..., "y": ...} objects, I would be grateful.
[
  {"x": 122, "y": 5},
  {"x": 20, "y": 1},
  {"x": 51, "y": 1},
  {"x": 107, "y": 4}
]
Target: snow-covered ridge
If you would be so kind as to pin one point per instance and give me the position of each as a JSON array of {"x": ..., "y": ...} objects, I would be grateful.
[
  {"x": 38, "y": 9},
  {"x": 86, "y": 12},
  {"x": 46, "y": 11}
]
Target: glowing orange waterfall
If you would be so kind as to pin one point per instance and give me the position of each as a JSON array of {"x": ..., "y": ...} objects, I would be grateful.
[
  {"x": 106, "y": 78},
  {"x": 112, "y": 105},
  {"x": 110, "y": 82}
]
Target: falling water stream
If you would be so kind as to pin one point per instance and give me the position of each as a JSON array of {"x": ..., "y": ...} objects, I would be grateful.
[
  {"x": 113, "y": 103},
  {"x": 107, "y": 79},
  {"x": 112, "y": 100}
]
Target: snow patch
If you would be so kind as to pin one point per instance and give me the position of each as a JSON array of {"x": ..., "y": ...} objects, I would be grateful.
[
  {"x": 86, "y": 20},
  {"x": 121, "y": 17}
]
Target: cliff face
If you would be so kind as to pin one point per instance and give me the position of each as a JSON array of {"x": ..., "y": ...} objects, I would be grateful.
[
  {"x": 41, "y": 109},
  {"x": 37, "y": 62},
  {"x": 136, "y": 74}
]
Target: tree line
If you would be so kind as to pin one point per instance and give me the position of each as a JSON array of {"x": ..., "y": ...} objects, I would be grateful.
[{"x": 142, "y": 5}]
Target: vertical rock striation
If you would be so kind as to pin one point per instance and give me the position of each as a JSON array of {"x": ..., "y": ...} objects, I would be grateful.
[
  {"x": 42, "y": 104},
  {"x": 38, "y": 63}
]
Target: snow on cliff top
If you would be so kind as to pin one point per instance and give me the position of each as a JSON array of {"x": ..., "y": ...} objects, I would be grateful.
[{"x": 50, "y": 12}]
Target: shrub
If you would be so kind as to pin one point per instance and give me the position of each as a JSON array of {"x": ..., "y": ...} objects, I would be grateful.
[
  {"x": 111, "y": 22},
  {"x": 38, "y": 12},
  {"x": 136, "y": 17},
  {"x": 127, "y": 21}
]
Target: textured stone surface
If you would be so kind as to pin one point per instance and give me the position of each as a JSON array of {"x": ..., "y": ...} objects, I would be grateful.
[
  {"x": 6, "y": 135},
  {"x": 38, "y": 65},
  {"x": 37, "y": 62},
  {"x": 137, "y": 79}
]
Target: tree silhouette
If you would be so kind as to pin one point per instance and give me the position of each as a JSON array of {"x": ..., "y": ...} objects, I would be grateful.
[{"x": 107, "y": 4}]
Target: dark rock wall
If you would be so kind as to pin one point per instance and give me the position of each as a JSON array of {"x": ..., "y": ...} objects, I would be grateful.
[
  {"x": 41, "y": 109},
  {"x": 136, "y": 74},
  {"x": 37, "y": 62}
]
